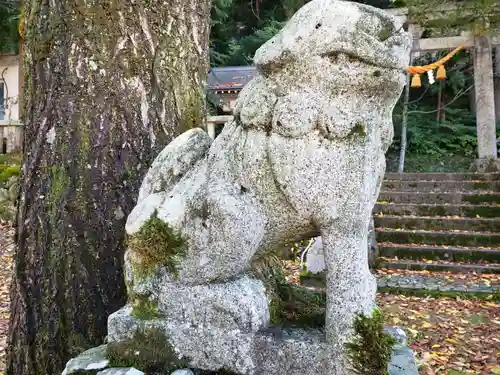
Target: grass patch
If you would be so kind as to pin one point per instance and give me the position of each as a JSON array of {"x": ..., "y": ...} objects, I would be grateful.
[
  {"x": 8, "y": 172},
  {"x": 10, "y": 159}
]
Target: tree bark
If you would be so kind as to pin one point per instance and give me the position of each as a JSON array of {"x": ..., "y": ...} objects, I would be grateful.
[{"x": 108, "y": 83}]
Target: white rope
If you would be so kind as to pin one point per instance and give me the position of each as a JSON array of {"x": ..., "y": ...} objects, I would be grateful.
[{"x": 304, "y": 253}]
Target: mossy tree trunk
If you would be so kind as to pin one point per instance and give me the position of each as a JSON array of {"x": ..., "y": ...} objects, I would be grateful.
[{"x": 108, "y": 83}]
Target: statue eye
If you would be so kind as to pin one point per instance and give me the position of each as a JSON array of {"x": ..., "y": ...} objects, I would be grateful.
[
  {"x": 340, "y": 58},
  {"x": 270, "y": 68},
  {"x": 332, "y": 57}
]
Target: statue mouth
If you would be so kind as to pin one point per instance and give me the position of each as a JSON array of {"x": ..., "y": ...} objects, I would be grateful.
[
  {"x": 389, "y": 54},
  {"x": 345, "y": 58}
]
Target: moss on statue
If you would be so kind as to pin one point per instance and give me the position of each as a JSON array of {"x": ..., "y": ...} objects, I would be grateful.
[
  {"x": 269, "y": 269},
  {"x": 144, "y": 308},
  {"x": 157, "y": 243},
  {"x": 302, "y": 307},
  {"x": 289, "y": 305},
  {"x": 370, "y": 351},
  {"x": 147, "y": 351}
]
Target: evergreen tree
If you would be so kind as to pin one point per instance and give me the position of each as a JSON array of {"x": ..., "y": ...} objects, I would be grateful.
[
  {"x": 9, "y": 16},
  {"x": 240, "y": 27}
]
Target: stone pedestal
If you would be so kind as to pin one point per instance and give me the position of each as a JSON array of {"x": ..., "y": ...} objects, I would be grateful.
[
  {"x": 227, "y": 326},
  {"x": 266, "y": 351}
]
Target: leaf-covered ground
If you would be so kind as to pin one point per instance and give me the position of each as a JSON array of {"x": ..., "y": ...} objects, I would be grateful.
[{"x": 450, "y": 336}]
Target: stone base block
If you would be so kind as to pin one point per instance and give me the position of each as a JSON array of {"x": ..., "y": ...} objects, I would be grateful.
[{"x": 269, "y": 351}]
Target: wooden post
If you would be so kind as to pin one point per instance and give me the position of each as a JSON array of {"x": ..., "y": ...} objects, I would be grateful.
[
  {"x": 497, "y": 83},
  {"x": 485, "y": 100},
  {"x": 415, "y": 32},
  {"x": 211, "y": 129}
]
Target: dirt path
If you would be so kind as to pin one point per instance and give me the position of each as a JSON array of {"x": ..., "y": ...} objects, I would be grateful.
[{"x": 6, "y": 252}]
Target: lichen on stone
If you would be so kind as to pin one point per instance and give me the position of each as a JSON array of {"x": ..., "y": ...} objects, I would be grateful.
[
  {"x": 385, "y": 31},
  {"x": 359, "y": 129},
  {"x": 156, "y": 243}
]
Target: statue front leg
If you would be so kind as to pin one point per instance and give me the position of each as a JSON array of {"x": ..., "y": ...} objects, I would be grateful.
[{"x": 350, "y": 286}]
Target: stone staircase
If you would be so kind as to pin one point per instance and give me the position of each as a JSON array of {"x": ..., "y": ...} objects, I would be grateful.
[{"x": 434, "y": 228}]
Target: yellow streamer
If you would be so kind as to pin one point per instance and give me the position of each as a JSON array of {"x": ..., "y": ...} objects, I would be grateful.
[{"x": 437, "y": 64}]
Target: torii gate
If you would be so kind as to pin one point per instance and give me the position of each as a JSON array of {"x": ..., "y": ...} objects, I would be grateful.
[{"x": 483, "y": 73}]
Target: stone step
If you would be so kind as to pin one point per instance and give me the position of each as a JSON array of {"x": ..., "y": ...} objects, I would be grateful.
[
  {"x": 453, "y": 254},
  {"x": 462, "y": 210},
  {"x": 432, "y": 284},
  {"x": 467, "y": 239},
  {"x": 443, "y": 176},
  {"x": 438, "y": 198},
  {"x": 438, "y": 223},
  {"x": 448, "y": 267},
  {"x": 440, "y": 186}
]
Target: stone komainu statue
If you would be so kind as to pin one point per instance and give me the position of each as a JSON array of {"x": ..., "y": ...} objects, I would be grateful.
[{"x": 304, "y": 156}]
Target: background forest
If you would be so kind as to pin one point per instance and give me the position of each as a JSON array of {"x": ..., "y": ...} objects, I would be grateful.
[{"x": 441, "y": 122}]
